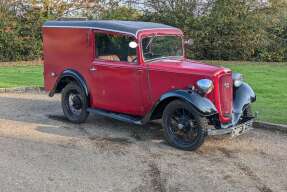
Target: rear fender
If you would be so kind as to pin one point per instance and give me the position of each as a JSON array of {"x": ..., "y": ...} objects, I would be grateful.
[{"x": 70, "y": 75}]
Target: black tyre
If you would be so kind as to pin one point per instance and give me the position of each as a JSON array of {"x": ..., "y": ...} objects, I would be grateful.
[
  {"x": 247, "y": 113},
  {"x": 74, "y": 103},
  {"x": 183, "y": 127}
]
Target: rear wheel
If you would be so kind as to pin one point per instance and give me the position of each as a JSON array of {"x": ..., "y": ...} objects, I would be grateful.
[
  {"x": 74, "y": 103},
  {"x": 183, "y": 127}
]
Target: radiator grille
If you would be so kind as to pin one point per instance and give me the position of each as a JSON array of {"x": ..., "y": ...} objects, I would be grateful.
[{"x": 226, "y": 94}]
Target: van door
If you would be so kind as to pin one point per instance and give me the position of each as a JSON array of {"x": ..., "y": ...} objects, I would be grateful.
[{"x": 117, "y": 77}]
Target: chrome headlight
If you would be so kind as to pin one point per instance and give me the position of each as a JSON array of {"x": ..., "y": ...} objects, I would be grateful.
[
  {"x": 237, "y": 79},
  {"x": 205, "y": 85}
]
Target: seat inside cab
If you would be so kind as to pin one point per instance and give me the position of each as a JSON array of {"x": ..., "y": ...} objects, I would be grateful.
[{"x": 114, "y": 47}]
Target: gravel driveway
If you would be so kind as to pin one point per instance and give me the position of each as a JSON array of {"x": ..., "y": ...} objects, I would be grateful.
[{"x": 41, "y": 151}]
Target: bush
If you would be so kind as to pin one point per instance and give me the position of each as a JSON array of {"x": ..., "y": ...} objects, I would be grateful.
[
  {"x": 20, "y": 35},
  {"x": 220, "y": 29},
  {"x": 227, "y": 29}
]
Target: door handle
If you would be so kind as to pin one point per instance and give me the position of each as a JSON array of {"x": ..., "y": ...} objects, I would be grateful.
[{"x": 93, "y": 69}]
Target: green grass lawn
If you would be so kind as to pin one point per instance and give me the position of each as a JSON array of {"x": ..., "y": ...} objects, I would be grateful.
[
  {"x": 269, "y": 81},
  {"x": 21, "y": 76}
]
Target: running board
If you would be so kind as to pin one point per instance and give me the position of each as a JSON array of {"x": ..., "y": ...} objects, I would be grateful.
[{"x": 117, "y": 116}]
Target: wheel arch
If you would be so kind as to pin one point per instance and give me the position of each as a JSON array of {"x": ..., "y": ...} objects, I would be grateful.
[
  {"x": 201, "y": 104},
  {"x": 67, "y": 76},
  {"x": 157, "y": 111}
]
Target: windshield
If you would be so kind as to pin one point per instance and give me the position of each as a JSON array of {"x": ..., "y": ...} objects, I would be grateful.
[{"x": 158, "y": 47}]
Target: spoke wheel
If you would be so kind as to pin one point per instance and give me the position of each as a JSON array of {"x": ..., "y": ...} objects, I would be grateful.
[
  {"x": 184, "y": 128},
  {"x": 182, "y": 125}
]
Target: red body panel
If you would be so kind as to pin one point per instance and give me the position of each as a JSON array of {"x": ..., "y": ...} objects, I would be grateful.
[
  {"x": 66, "y": 49},
  {"x": 117, "y": 87},
  {"x": 124, "y": 87}
]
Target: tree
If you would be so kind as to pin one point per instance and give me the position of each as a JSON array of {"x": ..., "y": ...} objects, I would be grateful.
[
  {"x": 220, "y": 29},
  {"x": 8, "y": 24},
  {"x": 233, "y": 29},
  {"x": 121, "y": 13},
  {"x": 179, "y": 13},
  {"x": 21, "y": 25},
  {"x": 275, "y": 16}
]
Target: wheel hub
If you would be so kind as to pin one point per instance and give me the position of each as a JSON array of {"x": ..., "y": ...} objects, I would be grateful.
[
  {"x": 184, "y": 124},
  {"x": 75, "y": 103},
  {"x": 180, "y": 126}
]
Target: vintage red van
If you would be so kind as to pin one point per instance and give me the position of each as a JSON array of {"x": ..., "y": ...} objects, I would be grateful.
[{"x": 137, "y": 72}]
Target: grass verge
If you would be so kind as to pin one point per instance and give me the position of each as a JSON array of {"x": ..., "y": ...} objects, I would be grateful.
[
  {"x": 269, "y": 81},
  {"x": 21, "y": 76}
]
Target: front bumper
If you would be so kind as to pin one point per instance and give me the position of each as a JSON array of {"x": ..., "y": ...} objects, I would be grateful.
[{"x": 236, "y": 130}]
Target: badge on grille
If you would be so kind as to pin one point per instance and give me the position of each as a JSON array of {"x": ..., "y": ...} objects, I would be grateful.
[{"x": 226, "y": 85}]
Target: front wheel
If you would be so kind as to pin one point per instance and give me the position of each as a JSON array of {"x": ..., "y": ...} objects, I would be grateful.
[
  {"x": 183, "y": 127},
  {"x": 74, "y": 103},
  {"x": 247, "y": 113}
]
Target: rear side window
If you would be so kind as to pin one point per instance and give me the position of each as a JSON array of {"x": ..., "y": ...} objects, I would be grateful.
[{"x": 111, "y": 47}]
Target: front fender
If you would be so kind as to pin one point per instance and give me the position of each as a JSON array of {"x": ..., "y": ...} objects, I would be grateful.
[
  {"x": 201, "y": 104},
  {"x": 243, "y": 96}
]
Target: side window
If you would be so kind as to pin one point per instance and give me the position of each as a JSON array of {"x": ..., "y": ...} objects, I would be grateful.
[{"x": 114, "y": 48}]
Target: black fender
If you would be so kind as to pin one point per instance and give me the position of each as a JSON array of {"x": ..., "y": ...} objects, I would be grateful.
[
  {"x": 202, "y": 105},
  {"x": 70, "y": 74},
  {"x": 243, "y": 96}
]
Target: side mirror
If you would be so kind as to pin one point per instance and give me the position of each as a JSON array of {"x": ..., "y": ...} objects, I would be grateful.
[
  {"x": 189, "y": 42},
  {"x": 133, "y": 44}
]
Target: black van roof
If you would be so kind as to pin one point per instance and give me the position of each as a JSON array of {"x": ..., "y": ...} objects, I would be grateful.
[{"x": 130, "y": 27}]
